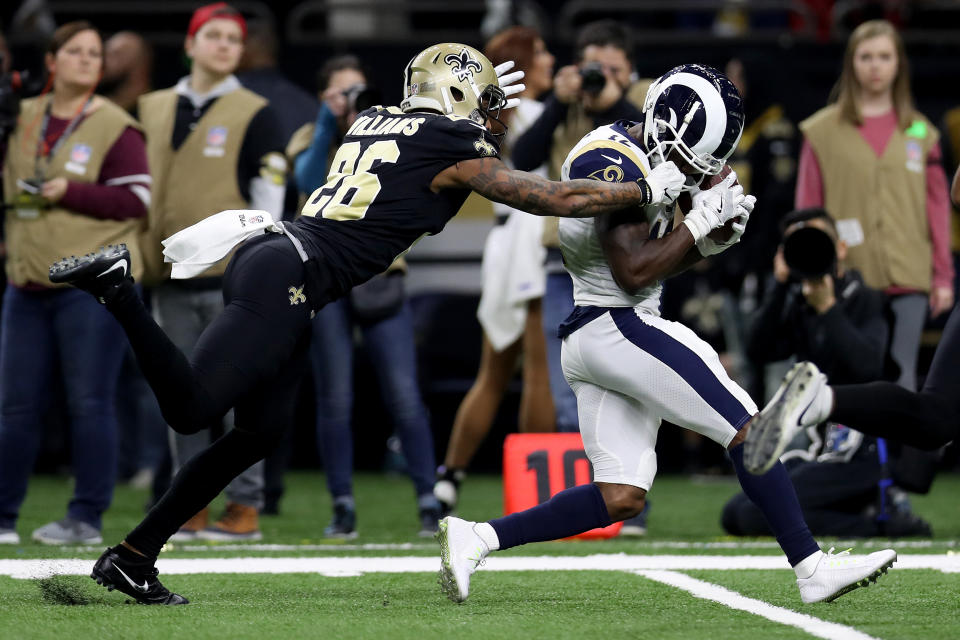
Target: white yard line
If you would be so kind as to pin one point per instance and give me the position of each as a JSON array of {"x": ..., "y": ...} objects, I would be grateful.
[
  {"x": 354, "y": 566},
  {"x": 734, "y": 600}
]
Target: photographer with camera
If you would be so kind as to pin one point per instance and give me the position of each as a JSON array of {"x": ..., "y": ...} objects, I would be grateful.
[
  {"x": 817, "y": 309},
  {"x": 379, "y": 309},
  {"x": 75, "y": 176}
]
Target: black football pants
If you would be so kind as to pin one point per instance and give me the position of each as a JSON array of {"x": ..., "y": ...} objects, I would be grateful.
[
  {"x": 251, "y": 358},
  {"x": 832, "y": 495},
  {"x": 927, "y": 419}
]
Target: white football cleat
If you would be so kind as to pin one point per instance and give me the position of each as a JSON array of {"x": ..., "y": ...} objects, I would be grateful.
[
  {"x": 461, "y": 552},
  {"x": 793, "y": 407},
  {"x": 840, "y": 573}
]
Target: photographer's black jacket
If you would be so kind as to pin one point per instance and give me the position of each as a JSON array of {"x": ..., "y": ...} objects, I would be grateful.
[
  {"x": 848, "y": 342},
  {"x": 533, "y": 146}
]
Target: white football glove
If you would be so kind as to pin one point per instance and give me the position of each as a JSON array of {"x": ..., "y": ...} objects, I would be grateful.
[
  {"x": 708, "y": 247},
  {"x": 665, "y": 183},
  {"x": 714, "y": 207},
  {"x": 510, "y": 83}
]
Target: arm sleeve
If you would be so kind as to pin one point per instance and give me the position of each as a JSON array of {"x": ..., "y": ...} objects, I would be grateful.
[
  {"x": 262, "y": 169},
  {"x": 766, "y": 339},
  {"x": 856, "y": 349},
  {"x": 122, "y": 189},
  {"x": 310, "y": 166},
  {"x": 938, "y": 219},
  {"x": 532, "y": 148},
  {"x": 809, "y": 179}
]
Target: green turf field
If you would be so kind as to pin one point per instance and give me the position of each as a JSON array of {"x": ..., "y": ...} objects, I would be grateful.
[{"x": 504, "y": 603}]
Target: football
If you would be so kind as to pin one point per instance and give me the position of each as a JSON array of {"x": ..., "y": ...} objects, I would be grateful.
[{"x": 685, "y": 202}]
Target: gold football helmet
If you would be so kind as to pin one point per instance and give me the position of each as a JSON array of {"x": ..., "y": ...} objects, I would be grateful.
[{"x": 453, "y": 79}]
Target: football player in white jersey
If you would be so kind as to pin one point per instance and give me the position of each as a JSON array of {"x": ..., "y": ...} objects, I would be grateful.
[{"x": 629, "y": 367}]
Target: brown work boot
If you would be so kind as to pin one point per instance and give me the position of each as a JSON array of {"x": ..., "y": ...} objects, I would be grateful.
[
  {"x": 191, "y": 529},
  {"x": 238, "y": 522}
]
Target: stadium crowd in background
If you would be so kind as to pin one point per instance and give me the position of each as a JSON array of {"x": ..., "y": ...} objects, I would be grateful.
[{"x": 216, "y": 141}]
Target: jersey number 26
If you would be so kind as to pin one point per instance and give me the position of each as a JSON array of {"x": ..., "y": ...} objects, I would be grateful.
[{"x": 350, "y": 187}]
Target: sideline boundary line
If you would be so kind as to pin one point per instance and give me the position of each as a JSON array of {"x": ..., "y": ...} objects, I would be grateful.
[
  {"x": 354, "y": 566},
  {"x": 709, "y": 591},
  {"x": 868, "y": 543}
]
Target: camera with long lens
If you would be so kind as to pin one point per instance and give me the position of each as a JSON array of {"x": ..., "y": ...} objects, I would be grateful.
[
  {"x": 810, "y": 253},
  {"x": 361, "y": 97},
  {"x": 592, "y": 79}
]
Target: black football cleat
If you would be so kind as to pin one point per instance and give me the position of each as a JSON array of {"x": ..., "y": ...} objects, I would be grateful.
[
  {"x": 136, "y": 579},
  {"x": 100, "y": 273}
]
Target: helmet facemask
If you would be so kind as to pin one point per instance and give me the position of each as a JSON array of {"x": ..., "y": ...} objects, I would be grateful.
[
  {"x": 668, "y": 144},
  {"x": 692, "y": 116},
  {"x": 457, "y": 80},
  {"x": 490, "y": 103}
]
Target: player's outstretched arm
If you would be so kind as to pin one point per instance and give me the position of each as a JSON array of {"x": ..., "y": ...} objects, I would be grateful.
[
  {"x": 494, "y": 180},
  {"x": 635, "y": 260}
]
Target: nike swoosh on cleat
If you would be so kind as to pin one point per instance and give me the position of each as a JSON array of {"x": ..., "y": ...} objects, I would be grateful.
[
  {"x": 619, "y": 160},
  {"x": 144, "y": 588},
  {"x": 120, "y": 264}
]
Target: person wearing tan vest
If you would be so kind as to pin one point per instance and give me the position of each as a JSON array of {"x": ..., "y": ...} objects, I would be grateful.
[
  {"x": 213, "y": 145},
  {"x": 874, "y": 162},
  {"x": 75, "y": 177}
]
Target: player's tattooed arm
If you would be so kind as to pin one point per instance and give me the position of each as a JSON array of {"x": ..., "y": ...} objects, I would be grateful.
[
  {"x": 637, "y": 261},
  {"x": 494, "y": 180}
]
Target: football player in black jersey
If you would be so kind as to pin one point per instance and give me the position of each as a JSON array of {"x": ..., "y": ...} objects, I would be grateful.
[{"x": 400, "y": 174}]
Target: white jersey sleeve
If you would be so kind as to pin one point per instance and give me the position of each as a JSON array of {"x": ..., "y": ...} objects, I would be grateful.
[{"x": 608, "y": 154}]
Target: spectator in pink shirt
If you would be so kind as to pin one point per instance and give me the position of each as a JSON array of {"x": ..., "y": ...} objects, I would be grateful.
[{"x": 874, "y": 162}]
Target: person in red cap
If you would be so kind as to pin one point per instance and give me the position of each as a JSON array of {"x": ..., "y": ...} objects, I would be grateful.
[{"x": 215, "y": 146}]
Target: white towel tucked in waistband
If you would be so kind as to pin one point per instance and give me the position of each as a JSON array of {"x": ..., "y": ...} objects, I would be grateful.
[
  {"x": 513, "y": 274},
  {"x": 200, "y": 246}
]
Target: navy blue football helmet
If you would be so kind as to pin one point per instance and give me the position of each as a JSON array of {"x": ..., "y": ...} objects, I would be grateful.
[{"x": 695, "y": 112}]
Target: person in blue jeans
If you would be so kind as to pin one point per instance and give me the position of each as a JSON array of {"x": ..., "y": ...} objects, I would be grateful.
[
  {"x": 77, "y": 177},
  {"x": 557, "y": 306},
  {"x": 390, "y": 347},
  {"x": 379, "y": 309}
]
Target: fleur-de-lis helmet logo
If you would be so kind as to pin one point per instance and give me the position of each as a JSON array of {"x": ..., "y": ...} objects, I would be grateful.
[{"x": 463, "y": 64}]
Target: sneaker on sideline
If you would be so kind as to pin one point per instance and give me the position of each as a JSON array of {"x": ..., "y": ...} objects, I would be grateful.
[
  {"x": 429, "y": 522},
  {"x": 238, "y": 522},
  {"x": 191, "y": 529},
  {"x": 67, "y": 531},
  {"x": 9, "y": 536},
  {"x": 343, "y": 526}
]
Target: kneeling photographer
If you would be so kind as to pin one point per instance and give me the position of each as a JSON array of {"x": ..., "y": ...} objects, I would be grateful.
[{"x": 816, "y": 309}]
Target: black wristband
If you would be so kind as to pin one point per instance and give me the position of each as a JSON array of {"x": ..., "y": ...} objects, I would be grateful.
[{"x": 646, "y": 190}]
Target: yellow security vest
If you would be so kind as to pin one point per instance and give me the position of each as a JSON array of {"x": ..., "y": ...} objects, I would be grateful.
[
  {"x": 36, "y": 239},
  {"x": 198, "y": 179},
  {"x": 887, "y": 195}
]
